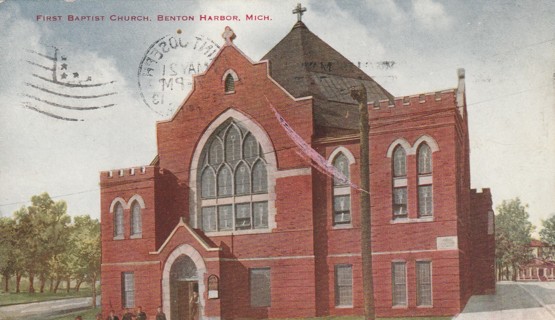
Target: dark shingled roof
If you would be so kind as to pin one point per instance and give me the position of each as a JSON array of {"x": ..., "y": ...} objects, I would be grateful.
[{"x": 307, "y": 66}]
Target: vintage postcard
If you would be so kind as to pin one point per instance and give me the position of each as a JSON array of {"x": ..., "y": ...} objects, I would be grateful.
[{"x": 276, "y": 159}]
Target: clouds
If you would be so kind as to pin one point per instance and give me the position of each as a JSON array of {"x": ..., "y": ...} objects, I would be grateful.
[
  {"x": 504, "y": 47},
  {"x": 431, "y": 14},
  {"x": 43, "y": 153}
]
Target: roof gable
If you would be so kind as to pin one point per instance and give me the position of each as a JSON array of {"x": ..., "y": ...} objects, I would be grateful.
[{"x": 307, "y": 66}]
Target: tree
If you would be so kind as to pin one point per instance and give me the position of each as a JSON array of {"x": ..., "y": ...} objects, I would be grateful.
[
  {"x": 513, "y": 233},
  {"x": 7, "y": 247},
  {"x": 547, "y": 235},
  {"x": 87, "y": 251},
  {"x": 43, "y": 228}
]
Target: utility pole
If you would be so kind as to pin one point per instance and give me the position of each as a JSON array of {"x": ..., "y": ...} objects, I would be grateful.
[{"x": 359, "y": 94}]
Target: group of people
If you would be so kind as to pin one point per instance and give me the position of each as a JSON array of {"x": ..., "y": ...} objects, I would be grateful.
[
  {"x": 139, "y": 315},
  {"x": 127, "y": 314}
]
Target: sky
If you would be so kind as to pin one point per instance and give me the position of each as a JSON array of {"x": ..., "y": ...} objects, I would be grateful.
[{"x": 59, "y": 129}]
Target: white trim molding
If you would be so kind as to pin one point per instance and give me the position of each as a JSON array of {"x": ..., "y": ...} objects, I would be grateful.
[
  {"x": 182, "y": 224},
  {"x": 343, "y": 150},
  {"x": 232, "y": 73},
  {"x": 293, "y": 172},
  {"x": 411, "y": 150},
  {"x": 115, "y": 201},
  {"x": 139, "y": 200},
  {"x": 429, "y": 140},
  {"x": 403, "y": 143}
]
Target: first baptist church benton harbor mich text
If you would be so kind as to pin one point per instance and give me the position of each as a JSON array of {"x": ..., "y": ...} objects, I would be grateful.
[{"x": 125, "y": 18}]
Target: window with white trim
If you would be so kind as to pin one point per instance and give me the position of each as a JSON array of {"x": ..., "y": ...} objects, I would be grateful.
[
  {"x": 425, "y": 200},
  {"x": 399, "y": 283},
  {"x": 118, "y": 220},
  {"x": 233, "y": 181},
  {"x": 128, "y": 289},
  {"x": 341, "y": 192},
  {"x": 399, "y": 168},
  {"x": 344, "y": 285},
  {"x": 136, "y": 219},
  {"x": 423, "y": 283},
  {"x": 229, "y": 83},
  {"x": 260, "y": 287}
]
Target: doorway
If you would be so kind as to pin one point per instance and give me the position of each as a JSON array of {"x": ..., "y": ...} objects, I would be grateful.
[
  {"x": 184, "y": 283},
  {"x": 182, "y": 308}
]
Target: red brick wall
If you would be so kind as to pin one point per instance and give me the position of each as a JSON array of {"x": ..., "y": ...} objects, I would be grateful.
[
  {"x": 126, "y": 186},
  {"x": 147, "y": 286},
  {"x": 483, "y": 244},
  {"x": 445, "y": 284}
]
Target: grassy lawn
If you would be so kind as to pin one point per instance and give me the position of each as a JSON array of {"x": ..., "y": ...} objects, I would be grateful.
[{"x": 25, "y": 297}]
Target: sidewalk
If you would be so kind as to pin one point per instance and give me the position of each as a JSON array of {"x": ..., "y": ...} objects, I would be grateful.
[{"x": 514, "y": 301}]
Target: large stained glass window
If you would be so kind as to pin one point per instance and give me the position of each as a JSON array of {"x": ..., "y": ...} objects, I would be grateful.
[{"x": 233, "y": 181}]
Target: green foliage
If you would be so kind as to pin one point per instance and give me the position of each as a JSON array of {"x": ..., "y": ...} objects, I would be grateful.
[
  {"x": 513, "y": 233},
  {"x": 85, "y": 250},
  {"x": 41, "y": 243},
  {"x": 7, "y": 249},
  {"x": 547, "y": 234},
  {"x": 43, "y": 229}
]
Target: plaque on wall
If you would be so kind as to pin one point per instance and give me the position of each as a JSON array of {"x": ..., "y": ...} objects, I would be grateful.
[
  {"x": 213, "y": 287},
  {"x": 447, "y": 243}
]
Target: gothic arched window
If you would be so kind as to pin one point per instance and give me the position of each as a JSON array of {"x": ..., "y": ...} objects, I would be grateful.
[
  {"x": 136, "y": 219},
  {"x": 399, "y": 182},
  {"x": 208, "y": 181},
  {"x": 424, "y": 159},
  {"x": 233, "y": 181},
  {"x": 424, "y": 180},
  {"x": 229, "y": 83},
  {"x": 341, "y": 192},
  {"x": 118, "y": 220},
  {"x": 399, "y": 162}
]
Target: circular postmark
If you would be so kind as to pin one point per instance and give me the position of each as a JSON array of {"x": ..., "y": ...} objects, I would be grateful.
[{"x": 166, "y": 71}]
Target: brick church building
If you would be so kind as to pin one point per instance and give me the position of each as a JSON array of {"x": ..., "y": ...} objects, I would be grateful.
[{"x": 231, "y": 210}]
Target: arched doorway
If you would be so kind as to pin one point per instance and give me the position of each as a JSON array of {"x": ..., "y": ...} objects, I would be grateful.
[
  {"x": 183, "y": 285},
  {"x": 178, "y": 265}
]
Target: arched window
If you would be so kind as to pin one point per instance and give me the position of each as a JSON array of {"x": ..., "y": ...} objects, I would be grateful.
[
  {"x": 259, "y": 178},
  {"x": 228, "y": 198},
  {"x": 136, "y": 219},
  {"x": 242, "y": 179},
  {"x": 425, "y": 200},
  {"x": 208, "y": 181},
  {"x": 341, "y": 192},
  {"x": 399, "y": 162},
  {"x": 229, "y": 84},
  {"x": 399, "y": 168},
  {"x": 424, "y": 159},
  {"x": 224, "y": 182},
  {"x": 118, "y": 220}
]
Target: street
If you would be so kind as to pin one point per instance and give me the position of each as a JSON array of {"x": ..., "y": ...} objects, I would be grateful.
[
  {"x": 42, "y": 310},
  {"x": 514, "y": 301}
]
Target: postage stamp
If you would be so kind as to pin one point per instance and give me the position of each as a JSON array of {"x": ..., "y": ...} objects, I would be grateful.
[{"x": 165, "y": 74}]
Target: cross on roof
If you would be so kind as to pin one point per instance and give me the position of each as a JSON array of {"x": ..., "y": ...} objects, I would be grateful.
[
  {"x": 299, "y": 11},
  {"x": 228, "y": 35}
]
